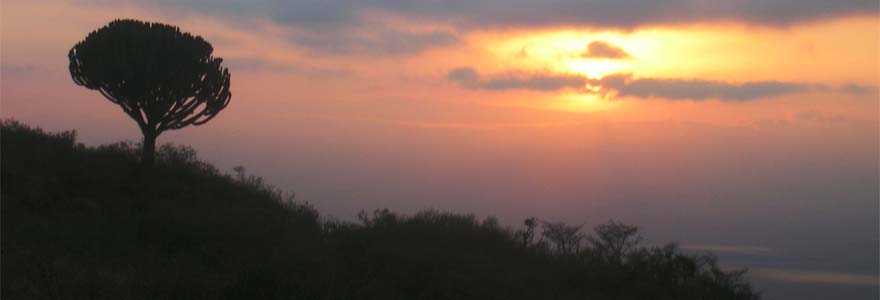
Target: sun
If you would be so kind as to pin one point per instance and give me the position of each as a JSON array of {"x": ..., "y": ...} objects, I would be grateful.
[
  {"x": 595, "y": 69},
  {"x": 563, "y": 51}
]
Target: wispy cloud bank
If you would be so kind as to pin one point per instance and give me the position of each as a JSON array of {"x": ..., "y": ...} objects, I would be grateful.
[
  {"x": 804, "y": 276},
  {"x": 467, "y": 125},
  {"x": 382, "y": 41},
  {"x": 22, "y": 70},
  {"x": 826, "y": 118},
  {"x": 469, "y": 78},
  {"x": 624, "y": 85},
  {"x": 337, "y": 21},
  {"x": 734, "y": 249},
  {"x": 260, "y": 64},
  {"x": 858, "y": 89},
  {"x": 518, "y": 13}
]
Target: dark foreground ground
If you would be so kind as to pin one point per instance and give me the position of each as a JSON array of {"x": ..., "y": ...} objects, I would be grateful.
[{"x": 91, "y": 223}]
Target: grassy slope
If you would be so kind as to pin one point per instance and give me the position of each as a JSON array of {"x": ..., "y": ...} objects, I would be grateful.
[{"x": 88, "y": 223}]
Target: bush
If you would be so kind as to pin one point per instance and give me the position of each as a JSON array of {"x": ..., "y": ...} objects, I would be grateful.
[{"x": 91, "y": 223}]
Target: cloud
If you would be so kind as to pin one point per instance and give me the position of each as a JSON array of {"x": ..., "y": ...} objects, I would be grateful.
[
  {"x": 733, "y": 249},
  {"x": 464, "y": 76},
  {"x": 469, "y": 78},
  {"x": 467, "y": 125},
  {"x": 856, "y": 89},
  {"x": 335, "y": 24},
  {"x": 624, "y": 85},
  {"x": 804, "y": 276},
  {"x": 22, "y": 70},
  {"x": 826, "y": 118},
  {"x": 626, "y": 13},
  {"x": 627, "y": 86},
  {"x": 812, "y": 115},
  {"x": 311, "y": 14},
  {"x": 384, "y": 41},
  {"x": 600, "y": 49},
  {"x": 261, "y": 64},
  {"x": 523, "y": 13}
]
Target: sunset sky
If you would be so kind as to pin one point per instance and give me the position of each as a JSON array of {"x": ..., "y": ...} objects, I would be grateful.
[{"x": 745, "y": 128}]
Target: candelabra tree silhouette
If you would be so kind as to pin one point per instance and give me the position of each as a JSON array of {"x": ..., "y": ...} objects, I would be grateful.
[{"x": 161, "y": 77}]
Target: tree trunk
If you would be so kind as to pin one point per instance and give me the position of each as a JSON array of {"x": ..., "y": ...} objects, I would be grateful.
[{"x": 148, "y": 152}]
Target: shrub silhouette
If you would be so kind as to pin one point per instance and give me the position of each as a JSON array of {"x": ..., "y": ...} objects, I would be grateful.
[
  {"x": 162, "y": 78},
  {"x": 80, "y": 223}
]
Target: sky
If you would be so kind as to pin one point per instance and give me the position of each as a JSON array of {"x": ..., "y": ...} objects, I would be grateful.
[{"x": 745, "y": 128}]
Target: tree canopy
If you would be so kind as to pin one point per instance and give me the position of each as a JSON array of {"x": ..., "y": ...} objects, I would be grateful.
[{"x": 161, "y": 77}]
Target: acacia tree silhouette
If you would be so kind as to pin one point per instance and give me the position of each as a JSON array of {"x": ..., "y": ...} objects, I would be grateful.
[
  {"x": 161, "y": 77},
  {"x": 566, "y": 238},
  {"x": 614, "y": 240}
]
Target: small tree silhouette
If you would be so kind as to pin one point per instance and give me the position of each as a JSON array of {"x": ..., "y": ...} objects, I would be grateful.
[
  {"x": 161, "y": 77},
  {"x": 566, "y": 238},
  {"x": 528, "y": 235},
  {"x": 614, "y": 240}
]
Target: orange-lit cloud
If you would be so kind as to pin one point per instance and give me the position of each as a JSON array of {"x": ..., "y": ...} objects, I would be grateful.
[
  {"x": 624, "y": 86},
  {"x": 469, "y": 78},
  {"x": 385, "y": 56},
  {"x": 600, "y": 49}
]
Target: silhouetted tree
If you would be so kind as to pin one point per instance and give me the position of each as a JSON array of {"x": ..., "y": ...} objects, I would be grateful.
[
  {"x": 566, "y": 238},
  {"x": 614, "y": 240},
  {"x": 528, "y": 235},
  {"x": 161, "y": 77}
]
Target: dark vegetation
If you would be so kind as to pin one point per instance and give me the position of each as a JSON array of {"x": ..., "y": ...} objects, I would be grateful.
[{"x": 92, "y": 223}]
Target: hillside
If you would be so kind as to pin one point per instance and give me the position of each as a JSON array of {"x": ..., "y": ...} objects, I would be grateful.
[{"x": 90, "y": 223}]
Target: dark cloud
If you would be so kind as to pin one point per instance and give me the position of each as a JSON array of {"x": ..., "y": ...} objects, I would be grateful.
[
  {"x": 22, "y": 70},
  {"x": 856, "y": 89},
  {"x": 600, "y": 49},
  {"x": 464, "y": 76},
  {"x": 312, "y": 14},
  {"x": 527, "y": 13},
  {"x": 469, "y": 78},
  {"x": 384, "y": 41},
  {"x": 626, "y": 13},
  {"x": 627, "y": 86},
  {"x": 624, "y": 85},
  {"x": 260, "y": 64},
  {"x": 336, "y": 19}
]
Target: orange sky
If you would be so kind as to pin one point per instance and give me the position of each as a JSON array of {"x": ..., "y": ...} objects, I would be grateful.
[{"x": 832, "y": 52}]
